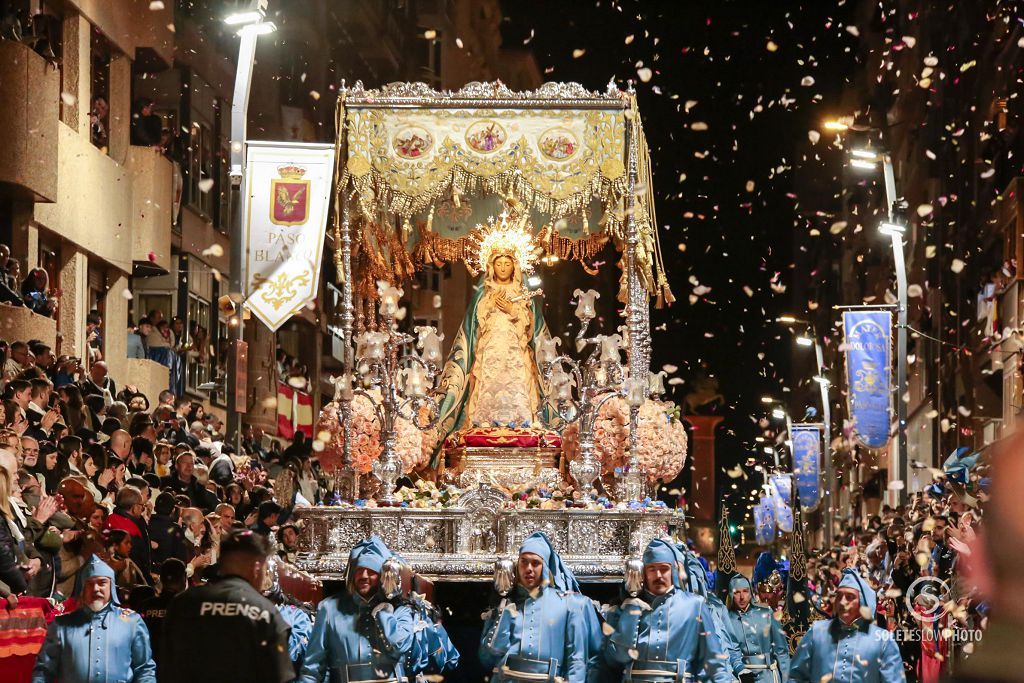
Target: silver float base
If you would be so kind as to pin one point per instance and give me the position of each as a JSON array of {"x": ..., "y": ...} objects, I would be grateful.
[{"x": 462, "y": 543}]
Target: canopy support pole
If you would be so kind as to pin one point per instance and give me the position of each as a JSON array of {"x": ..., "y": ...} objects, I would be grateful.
[{"x": 637, "y": 311}]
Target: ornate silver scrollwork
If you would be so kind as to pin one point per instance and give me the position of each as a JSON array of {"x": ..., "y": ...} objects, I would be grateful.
[{"x": 468, "y": 540}]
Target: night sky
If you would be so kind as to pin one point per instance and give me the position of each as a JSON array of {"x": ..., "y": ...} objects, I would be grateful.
[{"x": 732, "y": 94}]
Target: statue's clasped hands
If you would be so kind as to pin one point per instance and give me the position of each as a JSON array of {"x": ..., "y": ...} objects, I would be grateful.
[{"x": 503, "y": 304}]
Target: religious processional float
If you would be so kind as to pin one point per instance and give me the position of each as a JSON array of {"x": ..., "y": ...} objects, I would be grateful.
[{"x": 510, "y": 433}]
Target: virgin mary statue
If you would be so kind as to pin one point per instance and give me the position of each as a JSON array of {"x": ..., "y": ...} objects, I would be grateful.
[{"x": 491, "y": 378}]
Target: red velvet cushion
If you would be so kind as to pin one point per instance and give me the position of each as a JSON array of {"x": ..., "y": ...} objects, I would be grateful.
[{"x": 504, "y": 437}]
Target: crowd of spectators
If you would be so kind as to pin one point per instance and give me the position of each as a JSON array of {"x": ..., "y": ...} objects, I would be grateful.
[
  {"x": 914, "y": 557},
  {"x": 92, "y": 467}
]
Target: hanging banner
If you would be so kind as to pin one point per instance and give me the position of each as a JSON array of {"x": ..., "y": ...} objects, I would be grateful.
[
  {"x": 294, "y": 411},
  {"x": 868, "y": 337},
  {"x": 806, "y": 463},
  {"x": 285, "y": 200},
  {"x": 782, "y": 494},
  {"x": 764, "y": 521}
]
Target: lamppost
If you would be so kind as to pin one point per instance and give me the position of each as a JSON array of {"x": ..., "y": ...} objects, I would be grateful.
[
  {"x": 249, "y": 17},
  {"x": 807, "y": 340},
  {"x": 868, "y": 158}
]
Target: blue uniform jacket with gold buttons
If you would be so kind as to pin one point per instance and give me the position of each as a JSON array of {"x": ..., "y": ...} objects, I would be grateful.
[
  {"x": 677, "y": 628},
  {"x": 761, "y": 641},
  {"x": 350, "y": 631},
  {"x": 543, "y": 625},
  {"x": 846, "y": 654},
  {"x": 108, "y": 646},
  {"x": 840, "y": 653}
]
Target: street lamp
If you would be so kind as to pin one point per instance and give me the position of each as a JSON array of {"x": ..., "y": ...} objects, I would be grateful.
[
  {"x": 249, "y": 17},
  {"x": 839, "y": 125},
  {"x": 894, "y": 229},
  {"x": 248, "y": 12},
  {"x": 810, "y": 339},
  {"x": 868, "y": 158},
  {"x": 260, "y": 29}
]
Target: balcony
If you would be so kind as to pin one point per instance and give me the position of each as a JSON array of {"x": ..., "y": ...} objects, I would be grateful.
[
  {"x": 28, "y": 123},
  {"x": 151, "y": 178},
  {"x": 93, "y": 206},
  {"x": 21, "y": 324},
  {"x": 148, "y": 376}
]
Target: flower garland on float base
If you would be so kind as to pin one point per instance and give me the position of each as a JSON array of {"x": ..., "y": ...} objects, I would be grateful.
[
  {"x": 661, "y": 439},
  {"x": 426, "y": 494}
]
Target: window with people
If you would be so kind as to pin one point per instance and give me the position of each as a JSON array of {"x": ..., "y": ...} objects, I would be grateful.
[{"x": 33, "y": 291}]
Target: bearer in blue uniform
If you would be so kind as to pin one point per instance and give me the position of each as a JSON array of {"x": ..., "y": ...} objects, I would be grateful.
[
  {"x": 100, "y": 642},
  {"x": 358, "y": 635},
  {"x": 762, "y": 643},
  {"x": 565, "y": 581},
  {"x": 538, "y": 633},
  {"x": 665, "y": 635},
  {"x": 848, "y": 648},
  {"x": 697, "y": 583}
]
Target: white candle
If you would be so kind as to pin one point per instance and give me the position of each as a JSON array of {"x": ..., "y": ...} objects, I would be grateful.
[
  {"x": 635, "y": 392},
  {"x": 585, "y": 303}
]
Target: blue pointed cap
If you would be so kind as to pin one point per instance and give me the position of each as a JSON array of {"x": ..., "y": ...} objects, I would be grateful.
[
  {"x": 868, "y": 599},
  {"x": 740, "y": 581},
  {"x": 660, "y": 550},
  {"x": 539, "y": 544},
  {"x": 696, "y": 577},
  {"x": 561, "y": 576},
  {"x": 369, "y": 554},
  {"x": 96, "y": 567},
  {"x": 764, "y": 566}
]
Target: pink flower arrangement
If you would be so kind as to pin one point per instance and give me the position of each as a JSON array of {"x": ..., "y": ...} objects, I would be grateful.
[
  {"x": 366, "y": 443},
  {"x": 661, "y": 438}
]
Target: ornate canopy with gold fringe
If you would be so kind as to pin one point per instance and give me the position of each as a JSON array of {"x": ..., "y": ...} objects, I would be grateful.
[
  {"x": 419, "y": 171},
  {"x": 425, "y": 167}
]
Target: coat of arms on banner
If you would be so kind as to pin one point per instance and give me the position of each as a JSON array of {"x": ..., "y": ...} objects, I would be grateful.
[{"x": 289, "y": 196}]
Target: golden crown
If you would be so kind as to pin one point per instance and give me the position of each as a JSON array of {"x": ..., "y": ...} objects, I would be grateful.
[
  {"x": 291, "y": 172},
  {"x": 509, "y": 235}
]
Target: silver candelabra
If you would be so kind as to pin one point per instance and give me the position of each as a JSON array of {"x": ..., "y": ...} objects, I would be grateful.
[
  {"x": 598, "y": 378},
  {"x": 403, "y": 380}
]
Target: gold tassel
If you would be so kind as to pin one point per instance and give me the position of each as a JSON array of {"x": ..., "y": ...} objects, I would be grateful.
[
  {"x": 456, "y": 198},
  {"x": 586, "y": 223},
  {"x": 664, "y": 290},
  {"x": 669, "y": 296},
  {"x": 430, "y": 219},
  {"x": 406, "y": 229}
]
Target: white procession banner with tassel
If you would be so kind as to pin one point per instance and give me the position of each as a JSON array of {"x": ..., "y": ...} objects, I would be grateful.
[{"x": 284, "y": 218}]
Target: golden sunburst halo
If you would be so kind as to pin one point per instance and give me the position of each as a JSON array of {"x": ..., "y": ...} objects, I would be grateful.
[{"x": 508, "y": 235}]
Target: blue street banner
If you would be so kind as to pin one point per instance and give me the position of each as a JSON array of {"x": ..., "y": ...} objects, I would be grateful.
[
  {"x": 807, "y": 462},
  {"x": 868, "y": 339},
  {"x": 764, "y": 521},
  {"x": 782, "y": 493}
]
